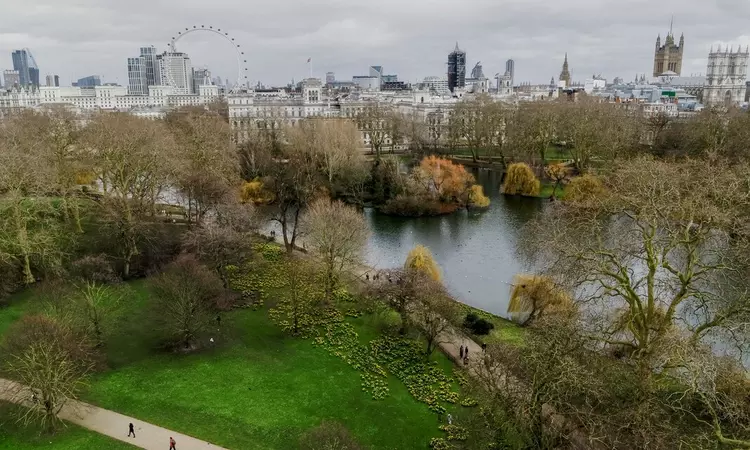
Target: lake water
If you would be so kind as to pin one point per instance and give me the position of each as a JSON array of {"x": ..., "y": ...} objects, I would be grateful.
[{"x": 476, "y": 251}]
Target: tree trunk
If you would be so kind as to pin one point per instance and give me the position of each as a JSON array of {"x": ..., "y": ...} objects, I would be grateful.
[{"x": 27, "y": 275}]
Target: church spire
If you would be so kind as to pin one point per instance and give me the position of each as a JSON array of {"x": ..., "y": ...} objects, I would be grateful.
[{"x": 671, "y": 22}]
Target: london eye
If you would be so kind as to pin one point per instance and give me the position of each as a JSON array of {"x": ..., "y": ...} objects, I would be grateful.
[{"x": 242, "y": 80}]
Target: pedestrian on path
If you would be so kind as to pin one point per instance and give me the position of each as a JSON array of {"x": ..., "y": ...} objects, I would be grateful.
[
  {"x": 131, "y": 430},
  {"x": 466, "y": 360},
  {"x": 484, "y": 347},
  {"x": 172, "y": 444},
  {"x": 466, "y": 351},
  {"x": 461, "y": 352}
]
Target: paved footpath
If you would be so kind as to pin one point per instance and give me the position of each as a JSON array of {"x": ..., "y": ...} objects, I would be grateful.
[{"x": 110, "y": 423}]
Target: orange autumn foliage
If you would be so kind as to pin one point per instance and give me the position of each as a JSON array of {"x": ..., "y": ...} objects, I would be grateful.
[{"x": 445, "y": 179}]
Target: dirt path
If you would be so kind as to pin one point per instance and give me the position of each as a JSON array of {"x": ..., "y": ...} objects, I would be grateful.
[{"x": 110, "y": 423}]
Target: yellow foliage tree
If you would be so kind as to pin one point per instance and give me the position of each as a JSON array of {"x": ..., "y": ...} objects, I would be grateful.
[
  {"x": 254, "y": 192},
  {"x": 533, "y": 295},
  {"x": 584, "y": 189},
  {"x": 520, "y": 180},
  {"x": 85, "y": 178},
  {"x": 420, "y": 259},
  {"x": 477, "y": 197},
  {"x": 558, "y": 173}
]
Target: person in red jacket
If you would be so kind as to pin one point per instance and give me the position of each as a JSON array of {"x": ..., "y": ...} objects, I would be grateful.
[{"x": 172, "y": 444}]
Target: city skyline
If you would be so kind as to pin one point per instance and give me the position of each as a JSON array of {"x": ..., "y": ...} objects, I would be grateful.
[{"x": 350, "y": 37}]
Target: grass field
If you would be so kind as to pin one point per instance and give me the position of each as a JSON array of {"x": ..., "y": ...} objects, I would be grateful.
[
  {"x": 505, "y": 330},
  {"x": 256, "y": 389},
  {"x": 14, "y": 436},
  {"x": 547, "y": 188}
]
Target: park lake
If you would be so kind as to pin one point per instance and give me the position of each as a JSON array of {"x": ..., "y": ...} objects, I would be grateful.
[{"x": 476, "y": 250}]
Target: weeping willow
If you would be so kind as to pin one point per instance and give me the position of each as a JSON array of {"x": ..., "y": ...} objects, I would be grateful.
[
  {"x": 520, "y": 180},
  {"x": 420, "y": 258},
  {"x": 532, "y": 295},
  {"x": 477, "y": 197}
]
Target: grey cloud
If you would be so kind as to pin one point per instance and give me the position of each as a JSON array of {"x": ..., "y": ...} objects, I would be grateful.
[{"x": 409, "y": 37}]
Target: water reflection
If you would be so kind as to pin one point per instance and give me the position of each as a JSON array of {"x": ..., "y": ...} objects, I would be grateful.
[{"x": 476, "y": 250}]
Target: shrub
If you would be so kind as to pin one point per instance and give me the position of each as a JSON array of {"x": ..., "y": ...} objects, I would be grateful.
[
  {"x": 532, "y": 295},
  {"x": 94, "y": 268},
  {"x": 584, "y": 189},
  {"x": 477, "y": 198},
  {"x": 85, "y": 178},
  {"x": 477, "y": 325},
  {"x": 255, "y": 192},
  {"x": 10, "y": 281},
  {"x": 329, "y": 436},
  {"x": 520, "y": 180},
  {"x": 416, "y": 206}
]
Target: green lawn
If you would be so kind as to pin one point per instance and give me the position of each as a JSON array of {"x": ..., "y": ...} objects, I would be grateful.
[
  {"x": 257, "y": 389},
  {"x": 547, "y": 188},
  {"x": 14, "y": 436},
  {"x": 505, "y": 330},
  {"x": 261, "y": 391}
]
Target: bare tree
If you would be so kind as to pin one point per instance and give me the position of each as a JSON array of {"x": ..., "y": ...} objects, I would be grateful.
[
  {"x": 378, "y": 123},
  {"x": 208, "y": 162},
  {"x": 224, "y": 241},
  {"x": 435, "y": 314},
  {"x": 94, "y": 306},
  {"x": 535, "y": 129},
  {"x": 481, "y": 124},
  {"x": 403, "y": 291},
  {"x": 134, "y": 160},
  {"x": 329, "y": 436},
  {"x": 51, "y": 361},
  {"x": 713, "y": 391},
  {"x": 295, "y": 180},
  {"x": 296, "y": 310},
  {"x": 59, "y": 130},
  {"x": 663, "y": 247},
  {"x": 30, "y": 233},
  {"x": 186, "y": 295},
  {"x": 338, "y": 146},
  {"x": 337, "y": 233}
]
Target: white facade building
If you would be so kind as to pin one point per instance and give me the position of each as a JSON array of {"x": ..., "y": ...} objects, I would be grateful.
[
  {"x": 726, "y": 77},
  {"x": 107, "y": 98},
  {"x": 437, "y": 84},
  {"x": 505, "y": 83},
  {"x": 177, "y": 71},
  {"x": 594, "y": 84}
]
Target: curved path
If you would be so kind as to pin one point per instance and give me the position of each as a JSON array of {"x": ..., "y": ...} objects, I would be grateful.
[{"x": 110, "y": 423}]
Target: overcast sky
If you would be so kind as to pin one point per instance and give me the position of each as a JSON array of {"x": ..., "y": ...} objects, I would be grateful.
[{"x": 411, "y": 38}]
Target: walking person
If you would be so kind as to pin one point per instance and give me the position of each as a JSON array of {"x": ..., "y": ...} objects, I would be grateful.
[
  {"x": 172, "y": 444},
  {"x": 131, "y": 430},
  {"x": 466, "y": 360},
  {"x": 461, "y": 352},
  {"x": 450, "y": 419},
  {"x": 484, "y": 347},
  {"x": 466, "y": 351}
]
